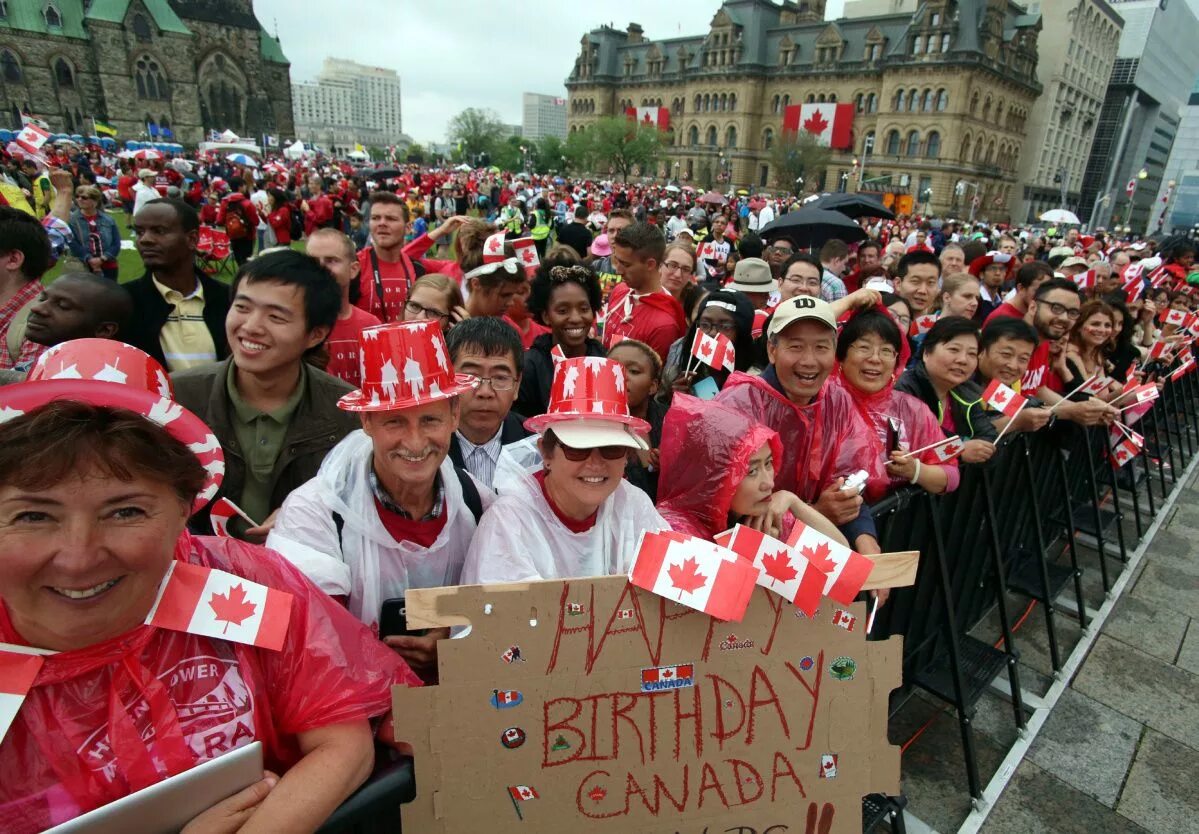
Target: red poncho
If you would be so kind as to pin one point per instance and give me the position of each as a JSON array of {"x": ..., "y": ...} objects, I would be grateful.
[{"x": 115, "y": 717}]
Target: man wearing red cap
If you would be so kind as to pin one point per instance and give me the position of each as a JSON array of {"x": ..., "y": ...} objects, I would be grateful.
[
  {"x": 388, "y": 510},
  {"x": 638, "y": 307},
  {"x": 386, "y": 273}
]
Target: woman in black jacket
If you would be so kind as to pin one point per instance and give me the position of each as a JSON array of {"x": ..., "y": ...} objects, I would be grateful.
[{"x": 564, "y": 297}]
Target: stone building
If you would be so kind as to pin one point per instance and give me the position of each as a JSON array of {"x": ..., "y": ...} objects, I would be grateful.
[
  {"x": 941, "y": 95},
  {"x": 187, "y": 65}
]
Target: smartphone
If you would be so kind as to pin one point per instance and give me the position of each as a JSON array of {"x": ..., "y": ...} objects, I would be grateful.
[
  {"x": 892, "y": 436},
  {"x": 393, "y": 620},
  {"x": 705, "y": 388}
]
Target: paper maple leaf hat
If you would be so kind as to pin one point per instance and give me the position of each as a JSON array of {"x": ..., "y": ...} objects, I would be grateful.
[
  {"x": 105, "y": 372},
  {"x": 404, "y": 364},
  {"x": 589, "y": 406}
]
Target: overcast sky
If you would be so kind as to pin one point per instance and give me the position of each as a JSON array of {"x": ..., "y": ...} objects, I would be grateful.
[{"x": 454, "y": 54}]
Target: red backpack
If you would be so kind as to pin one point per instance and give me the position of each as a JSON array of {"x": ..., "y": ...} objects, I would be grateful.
[{"x": 235, "y": 221}]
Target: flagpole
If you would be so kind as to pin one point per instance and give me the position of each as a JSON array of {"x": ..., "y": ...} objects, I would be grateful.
[
  {"x": 1023, "y": 403},
  {"x": 1066, "y": 397},
  {"x": 516, "y": 805}
]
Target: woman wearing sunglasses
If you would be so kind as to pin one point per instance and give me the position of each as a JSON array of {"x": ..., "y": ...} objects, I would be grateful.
[
  {"x": 574, "y": 515},
  {"x": 95, "y": 240}
]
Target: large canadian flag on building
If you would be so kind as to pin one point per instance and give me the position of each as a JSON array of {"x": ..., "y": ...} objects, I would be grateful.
[
  {"x": 650, "y": 116},
  {"x": 831, "y": 123}
]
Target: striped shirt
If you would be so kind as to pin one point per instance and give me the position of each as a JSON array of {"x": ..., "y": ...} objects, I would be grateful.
[
  {"x": 481, "y": 460},
  {"x": 185, "y": 339}
]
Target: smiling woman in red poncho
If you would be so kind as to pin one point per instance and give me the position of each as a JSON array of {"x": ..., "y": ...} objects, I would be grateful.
[
  {"x": 870, "y": 354},
  {"x": 99, "y": 471}
]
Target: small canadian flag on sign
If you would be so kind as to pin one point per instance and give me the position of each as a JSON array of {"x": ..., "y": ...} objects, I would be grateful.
[
  {"x": 716, "y": 351},
  {"x": 1095, "y": 384},
  {"x": 1085, "y": 280},
  {"x": 844, "y": 619},
  {"x": 696, "y": 573},
  {"x": 32, "y": 137},
  {"x": 947, "y": 451},
  {"x": 780, "y": 570},
  {"x": 1188, "y": 364},
  {"x": 523, "y": 792},
  {"x": 658, "y": 117},
  {"x": 214, "y": 603},
  {"x": 526, "y": 252},
  {"x": 1001, "y": 398}
]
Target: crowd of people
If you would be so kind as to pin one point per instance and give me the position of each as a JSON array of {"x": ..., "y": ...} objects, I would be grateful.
[{"x": 523, "y": 407}]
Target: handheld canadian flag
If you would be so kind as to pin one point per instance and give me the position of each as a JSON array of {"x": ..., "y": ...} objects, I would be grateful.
[
  {"x": 1085, "y": 280},
  {"x": 31, "y": 138},
  {"x": 1159, "y": 277},
  {"x": 222, "y": 513},
  {"x": 1126, "y": 445},
  {"x": 792, "y": 577},
  {"x": 1094, "y": 385},
  {"x": 715, "y": 351},
  {"x": 493, "y": 248},
  {"x": 658, "y": 117},
  {"x": 526, "y": 252},
  {"x": 1157, "y": 351},
  {"x": 1134, "y": 285},
  {"x": 696, "y": 573},
  {"x": 1187, "y": 365},
  {"x": 1001, "y": 398},
  {"x": 17, "y": 673},
  {"x": 947, "y": 449},
  {"x": 1176, "y": 317},
  {"x": 214, "y": 603},
  {"x": 922, "y": 324},
  {"x": 845, "y": 570},
  {"x": 557, "y": 354}
]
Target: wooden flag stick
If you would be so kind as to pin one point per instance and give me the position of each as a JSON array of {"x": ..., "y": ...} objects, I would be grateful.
[
  {"x": 1009, "y": 422},
  {"x": 1072, "y": 393},
  {"x": 929, "y": 446}
]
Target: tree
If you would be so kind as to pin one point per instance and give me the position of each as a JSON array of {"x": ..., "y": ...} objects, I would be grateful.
[
  {"x": 506, "y": 153},
  {"x": 549, "y": 154},
  {"x": 415, "y": 153},
  {"x": 476, "y": 131},
  {"x": 577, "y": 151},
  {"x": 798, "y": 155},
  {"x": 620, "y": 145}
]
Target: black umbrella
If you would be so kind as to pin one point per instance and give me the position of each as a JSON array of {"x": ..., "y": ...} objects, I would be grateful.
[
  {"x": 382, "y": 173},
  {"x": 811, "y": 227},
  {"x": 854, "y": 205}
]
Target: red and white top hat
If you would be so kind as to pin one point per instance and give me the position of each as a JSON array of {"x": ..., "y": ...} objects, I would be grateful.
[
  {"x": 404, "y": 364},
  {"x": 589, "y": 406},
  {"x": 110, "y": 373}
]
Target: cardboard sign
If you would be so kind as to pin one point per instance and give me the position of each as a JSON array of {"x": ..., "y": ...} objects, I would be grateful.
[{"x": 591, "y": 705}]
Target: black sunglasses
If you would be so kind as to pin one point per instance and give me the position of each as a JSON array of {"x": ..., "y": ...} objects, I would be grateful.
[{"x": 606, "y": 452}]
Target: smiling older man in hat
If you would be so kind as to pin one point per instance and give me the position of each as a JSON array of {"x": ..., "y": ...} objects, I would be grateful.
[{"x": 388, "y": 510}]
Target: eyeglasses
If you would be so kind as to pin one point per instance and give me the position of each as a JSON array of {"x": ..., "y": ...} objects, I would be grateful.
[
  {"x": 782, "y": 250},
  {"x": 1071, "y": 313},
  {"x": 678, "y": 267},
  {"x": 413, "y": 309},
  {"x": 865, "y": 351},
  {"x": 728, "y": 328},
  {"x": 580, "y": 455},
  {"x": 498, "y": 383}
]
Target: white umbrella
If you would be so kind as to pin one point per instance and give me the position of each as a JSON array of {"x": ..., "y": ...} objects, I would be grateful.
[
  {"x": 1060, "y": 216},
  {"x": 673, "y": 189},
  {"x": 463, "y": 168}
]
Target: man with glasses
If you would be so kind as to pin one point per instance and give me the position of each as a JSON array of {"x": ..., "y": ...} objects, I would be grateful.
[
  {"x": 336, "y": 253},
  {"x": 777, "y": 254},
  {"x": 1053, "y": 313},
  {"x": 489, "y": 349},
  {"x": 801, "y": 276}
]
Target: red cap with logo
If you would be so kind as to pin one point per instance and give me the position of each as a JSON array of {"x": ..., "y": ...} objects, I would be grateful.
[{"x": 404, "y": 364}]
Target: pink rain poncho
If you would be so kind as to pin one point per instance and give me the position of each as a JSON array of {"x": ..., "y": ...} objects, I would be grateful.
[
  {"x": 821, "y": 442},
  {"x": 705, "y": 452},
  {"x": 116, "y": 717}
]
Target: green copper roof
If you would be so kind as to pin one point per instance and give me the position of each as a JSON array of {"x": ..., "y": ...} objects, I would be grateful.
[
  {"x": 29, "y": 16},
  {"x": 271, "y": 49},
  {"x": 113, "y": 11}
]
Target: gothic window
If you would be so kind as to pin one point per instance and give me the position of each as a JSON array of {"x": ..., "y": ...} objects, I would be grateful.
[
  {"x": 66, "y": 119},
  {"x": 63, "y": 74},
  {"x": 693, "y": 136},
  {"x": 942, "y": 101},
  {"x": 872, "y": 103},
  {"x": 913, "y": 147},
  {"x": 811, "y": 98},
  {"x": 868, "y": 143},
  {"x": 767, "y": 139},
  {"x": 141, "y": 28},
  {"x": 918, "y": 45},
  {"x": 78, "y": 118},
  {"x": 712, "y": 136},
  {"x": 151, "y": 83},
  {"x": 974, "y": 105},
  {"x": 732, "y": 101},
  {"x": 787, "y": 100},
  {"x": 932, "y": 148},
  {"x": 893, "y": 143},
  {"x": 10, "y": 67},
  {"x": 53, "y": 17},
  {"x": 901, "y": 98},
  {"x": 926, "y": 103},
  {"x": 857, "y": 103},
  {"x": 774, "y": 104},
  {"x": 730, "y": 137}
]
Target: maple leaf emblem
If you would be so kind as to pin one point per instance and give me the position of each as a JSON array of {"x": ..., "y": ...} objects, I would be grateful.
[
  {"x": 686, "y": 577},
  {"x": 232, "y": 607},
  {"x": 597, "y": 793},
  {"x": 732, "y": 638},
  {"x": 778, "y": 567},
  {"x": 1000, "y": 397},
  {"x": 951, "y": 449},
  {"x": 705, "y": 347},
  {"x": 819, "y": 557},
  {"x": 816, "y": 123}
]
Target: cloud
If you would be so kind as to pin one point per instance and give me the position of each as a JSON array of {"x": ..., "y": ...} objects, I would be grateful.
[{"x": 455, "y": 54}]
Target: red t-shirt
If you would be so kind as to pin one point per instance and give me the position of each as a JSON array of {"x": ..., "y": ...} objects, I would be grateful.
[
  {"x": 422, "y": 533},
  {"x": 343, "y": 345},
  {"x": 1039, "y": 373},
  {"x": 656, "y": 319},
  {"x": 1004, "y": 309},
  {"x": 395, "y": 276},
  {"x": 571, "y": 524}
]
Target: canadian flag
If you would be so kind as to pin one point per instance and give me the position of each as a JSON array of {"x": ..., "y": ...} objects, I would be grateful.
[
  {"x": 214, "y": 603},
  {"x": 523, "y": 792},
  {"x": 922, "y": 324},
  {"x": 715, "y": 351},
  {"x": 658, "y": 117},
  {"x": 1085, "y": 280},
  {"x": 1176, "y": 317},
  {"x": 828, "y": 766},
  {"x": 780, "y": 570},
  {"x": 845, "y": 570},
  {"x": 624, "y": 614},
  {"x": 1188, "y": 365},
  {"x": 1157, "y": 351},
  {"x": 685, "y": 672},
  {"x": 557, "y": 354},
  {"x": 1094, "y": 385},
  {"x": 696, "y": 573},
  {"x": 31, "y": 138},
  {"x": 1131, "y": 188},
  {"x": 947, "y": 450},
  {"x": 222, "y": 513},
  {"x": 1134, "y": 285},
  {"x": 493, "y": 248},
  {"x": 1146, "y": 393},
  {"x": 526, "y": 252},
  {"x": 1001, "y": 398},
  {"x": 1159, "y": 277},
  {"x": 831, "y": 123},
  {"x": 844, "y": 619},
  {"x": 1127, "y": 448},
  {"x": 17, "y": 673}
]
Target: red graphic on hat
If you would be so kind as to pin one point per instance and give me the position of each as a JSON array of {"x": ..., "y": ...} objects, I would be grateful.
[
  {"x": 588, "y": 387},
  {"x": 104, "y": 372},
  {"x": 404, "y": 364}
]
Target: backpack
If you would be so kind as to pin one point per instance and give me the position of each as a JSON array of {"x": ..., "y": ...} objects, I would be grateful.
[
  {"x": 297, "y": 222},
  {"x": 235, "y": 221}
]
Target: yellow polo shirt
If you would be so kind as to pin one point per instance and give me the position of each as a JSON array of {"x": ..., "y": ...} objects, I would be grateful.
[{"x": 186, "y": 342}]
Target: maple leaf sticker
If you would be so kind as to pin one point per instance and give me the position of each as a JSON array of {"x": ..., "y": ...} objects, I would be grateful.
[
  {"x": 819, "y": 557},
  {"x": 686, "y": 577},
  {"x": 815, "y": 124},
  {"x": 778, "y": 567},
  {"x": 232, "y": 608}
]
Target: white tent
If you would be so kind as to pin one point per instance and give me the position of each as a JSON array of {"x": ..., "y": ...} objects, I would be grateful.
[
  {"x": 295, "y": 150},
  {"x": 229, "y": 136}
]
